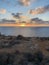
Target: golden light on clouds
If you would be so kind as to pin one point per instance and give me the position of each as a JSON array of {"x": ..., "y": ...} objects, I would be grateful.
[
  {"x": 24, "y": 17},
  {"x": 2, "y": 11},
  {"x": 25, "y": 2},
  {"x": 39, "y": 10}
]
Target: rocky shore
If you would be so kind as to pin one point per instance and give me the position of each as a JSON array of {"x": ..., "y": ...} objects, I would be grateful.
[{"x": 20, "y": 50}]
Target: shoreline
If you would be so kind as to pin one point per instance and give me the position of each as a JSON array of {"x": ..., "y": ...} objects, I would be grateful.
[{"x": 19, "y": 41}]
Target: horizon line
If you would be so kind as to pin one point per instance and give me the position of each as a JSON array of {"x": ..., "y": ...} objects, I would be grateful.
[{"x": 22, "y": 25}]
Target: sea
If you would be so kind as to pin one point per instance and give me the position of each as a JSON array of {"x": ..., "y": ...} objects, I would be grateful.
[{"x": 25, "y": 31}]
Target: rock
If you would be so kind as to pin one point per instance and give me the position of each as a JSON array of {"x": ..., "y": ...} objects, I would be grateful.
[{"x": 20, "y": 37}]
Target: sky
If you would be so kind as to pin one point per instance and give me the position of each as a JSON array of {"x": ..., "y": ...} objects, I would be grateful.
[{"x": 24, "y": 10}]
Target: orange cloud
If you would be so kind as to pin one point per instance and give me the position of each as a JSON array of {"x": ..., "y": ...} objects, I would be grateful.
[
  {"x": 25, "y": 2},
  {"x": 39, "y": 10},
  {"x": 24, "y": 18},
  {"x": 2, "y": 11}
]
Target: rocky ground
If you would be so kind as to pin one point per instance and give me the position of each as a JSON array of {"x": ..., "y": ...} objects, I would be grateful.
[{"x": 19, "y": 50}]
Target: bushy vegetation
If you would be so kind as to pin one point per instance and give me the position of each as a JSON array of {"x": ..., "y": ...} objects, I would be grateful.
[{"x": 19, "y": 58}]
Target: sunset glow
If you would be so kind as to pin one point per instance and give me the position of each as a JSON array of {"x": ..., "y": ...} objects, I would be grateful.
[
  {"x": 22, "y": 25},
  {"x": 24, "y": 11}
]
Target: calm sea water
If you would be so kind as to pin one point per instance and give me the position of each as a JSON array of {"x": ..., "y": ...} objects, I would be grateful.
[{"x": 26, "y": 31}]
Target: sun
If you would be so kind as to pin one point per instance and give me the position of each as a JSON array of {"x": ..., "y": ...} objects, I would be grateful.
[{"x": 23, "y": 25}]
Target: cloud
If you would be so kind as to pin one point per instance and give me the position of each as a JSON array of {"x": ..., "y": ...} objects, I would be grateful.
[
  {"x": 32, "y": 20},
  {"x": 38, "y": 21},
  {"x": 24, "y": 18},
  {"x": 7, "y": 21},
  {"x": 39, "y": 10},
  {"x": 2, "y": 11},
  {"x": 20, "y": 17},
  {"x": 26, "y": 2},
  {"x": 17, "y": 15},
  {"x": 19, "y": 2}
]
